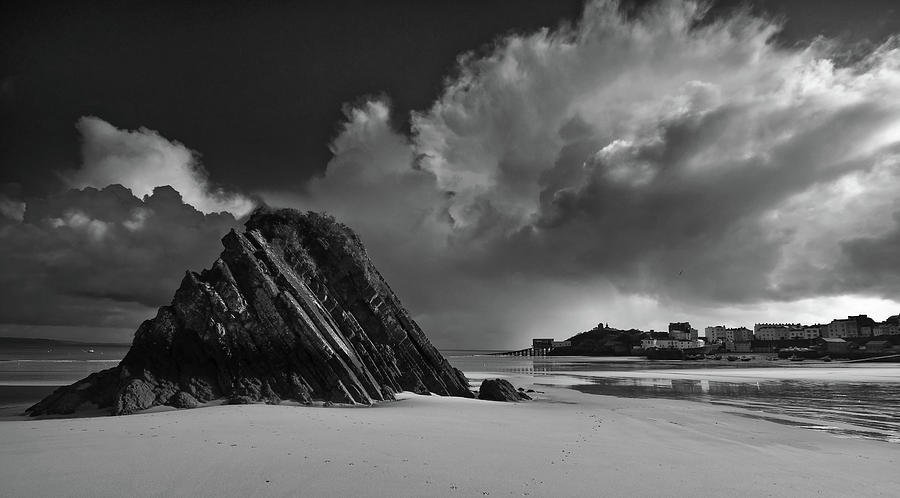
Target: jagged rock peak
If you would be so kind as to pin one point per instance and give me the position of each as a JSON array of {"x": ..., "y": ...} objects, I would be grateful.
[{"x": 292, "y": 309}]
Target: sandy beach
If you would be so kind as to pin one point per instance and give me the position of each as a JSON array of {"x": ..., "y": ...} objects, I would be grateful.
[{"x": 564, "y": 443}]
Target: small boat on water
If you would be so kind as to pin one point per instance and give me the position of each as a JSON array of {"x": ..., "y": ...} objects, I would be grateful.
[
  {"x": 733, "y": 358},
  {"x": 795, "y": 358},
  {"x": 805, "y": 353},
  {"x": 746, "y": 358}
]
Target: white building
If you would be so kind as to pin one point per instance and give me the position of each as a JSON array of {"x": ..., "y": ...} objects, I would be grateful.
[
  {"x": 811, "y": 332},
  {"x": 680, "y": 336},
  {"x": 715, "y": 333},
  {"x": 841, "y": 328},
  {"x": 720, "y": 333},
  {"x": 670, "y": 344},
  {"x": 774, "y": 331},
  {"x": 683, "y": 331},
  {"x": 886, "y": 329},
  {"x": 740, "y": 334}
]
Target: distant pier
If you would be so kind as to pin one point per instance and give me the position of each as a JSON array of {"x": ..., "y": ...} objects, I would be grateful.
[
  {"x": 539, "y": 347},
  {"x": 524, "y": 352}
]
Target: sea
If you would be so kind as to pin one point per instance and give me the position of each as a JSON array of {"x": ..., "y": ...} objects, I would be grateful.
[
  {"x": 31, "y": 370},
  {"x": 848, "y": 400}
]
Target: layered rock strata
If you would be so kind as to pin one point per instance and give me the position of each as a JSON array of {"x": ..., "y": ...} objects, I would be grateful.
[{"x": 293, "y": 309}]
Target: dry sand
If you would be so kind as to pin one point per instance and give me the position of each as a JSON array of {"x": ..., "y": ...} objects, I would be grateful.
[{"x": 566, "y": 444}]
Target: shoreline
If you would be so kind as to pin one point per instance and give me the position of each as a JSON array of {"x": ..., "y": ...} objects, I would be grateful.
[{"x": 564, "y": 443}]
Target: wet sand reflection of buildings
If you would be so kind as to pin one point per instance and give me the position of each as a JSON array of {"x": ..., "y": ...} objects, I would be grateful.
[{"x": 675, "y": 388}]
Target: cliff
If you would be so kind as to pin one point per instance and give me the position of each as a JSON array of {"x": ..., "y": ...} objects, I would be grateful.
[{"x": 292, "y": 309}]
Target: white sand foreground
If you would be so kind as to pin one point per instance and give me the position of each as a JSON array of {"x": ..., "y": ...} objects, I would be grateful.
[{"x": 567, "y": 444}]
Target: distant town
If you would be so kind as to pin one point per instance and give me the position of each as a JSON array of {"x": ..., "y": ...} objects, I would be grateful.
[
  {"x": 837, "y": 337},
  {"x": 854, "y": 337}
]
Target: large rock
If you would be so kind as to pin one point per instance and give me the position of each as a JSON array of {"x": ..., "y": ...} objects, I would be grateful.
[
  {"x": 500, "y": 390},
  {"x": 293, "y": 309}
]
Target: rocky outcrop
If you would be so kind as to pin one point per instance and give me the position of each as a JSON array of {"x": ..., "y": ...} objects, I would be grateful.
[
  {"x": 500, "y": 390},
  {"x": 293, "y": 309}
]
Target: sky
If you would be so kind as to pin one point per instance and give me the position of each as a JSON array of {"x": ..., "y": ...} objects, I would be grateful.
[{"x": 516, "y": 170}]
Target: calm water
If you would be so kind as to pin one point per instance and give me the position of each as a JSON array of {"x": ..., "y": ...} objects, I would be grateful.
[
  {"x": 27, "y": 374},
  {"x": 847, "y": 400}
]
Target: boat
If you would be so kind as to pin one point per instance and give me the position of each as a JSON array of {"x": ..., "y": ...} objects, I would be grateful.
[
  {"x": 805, "y": 353},
  {"x": 674, "y": 353},
  {"x": 795, "y": 358},
  {"x": 826, "y": 358},
  {"x": 746, "y": 358},
  {"x": 733, "y": 358}
]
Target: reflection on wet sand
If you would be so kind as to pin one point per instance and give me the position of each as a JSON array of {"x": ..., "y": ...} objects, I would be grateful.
[
  {"x": 849, "y": 400},
  {"x": 850, "y": 409}
]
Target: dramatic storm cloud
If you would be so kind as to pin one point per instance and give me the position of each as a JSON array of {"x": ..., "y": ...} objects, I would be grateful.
[
  {"x": 142, "y": 160},
  {"x": 101, "y": 258},
  {"x": 634, "y": 167}
]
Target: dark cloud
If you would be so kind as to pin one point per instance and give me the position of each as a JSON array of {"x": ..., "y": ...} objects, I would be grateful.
[
  {"x": 658, "y": 164},
  {"x": 873, "y": 263},
  {"x": 107, "y": 258},
  {"x": 663, "y": 165},
  {"x": 104, "y": 257}
]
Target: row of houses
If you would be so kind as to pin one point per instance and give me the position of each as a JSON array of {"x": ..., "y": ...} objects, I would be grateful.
[
  {"x": 741, "y": 339},
  {"x": 680, "y": 336},
  {"x": 843, "y": 328}
]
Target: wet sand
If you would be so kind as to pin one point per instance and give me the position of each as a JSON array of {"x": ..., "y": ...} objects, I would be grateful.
[
  {"x": 843, "y": 399},
  {"x": 565, "y": 443}
]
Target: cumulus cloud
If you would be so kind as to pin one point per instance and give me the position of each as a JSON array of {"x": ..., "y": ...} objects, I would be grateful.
[
  {"x": 106, "y": 253},
  {"x": 102, "y": 258},
  {"x": 142, "y": 160},
  {"x": 664, "y": 161}
]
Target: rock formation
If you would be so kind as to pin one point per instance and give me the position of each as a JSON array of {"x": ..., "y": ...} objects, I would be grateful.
[
  {"x": 500, "y": 390},
  {"x": 292, "y": 309}
]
